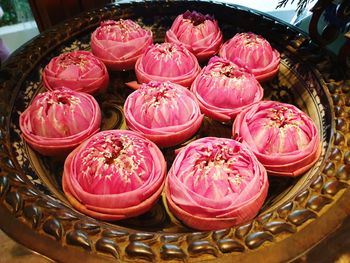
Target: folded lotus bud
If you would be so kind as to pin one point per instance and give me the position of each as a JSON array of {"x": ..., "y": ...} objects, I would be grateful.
[
  {"x": 199, "y": 33},
  {"x": 215, "y": 183},
  {"x": 120, "y": 43},
  {"x": 164, "y": 112},
  {"x": 78, "y": 70},
  {"x": 254, "y": 53},
  {"x": 58, "y": 121},
  {"x": 167, "y": 62},
  {"x": 223, "y": 89},
  {"x": 284, "y": 139},
  {"x": 114, "y": 175}
]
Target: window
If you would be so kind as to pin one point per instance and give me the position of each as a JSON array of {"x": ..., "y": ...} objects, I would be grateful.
[{"x": 17, "y": 25}]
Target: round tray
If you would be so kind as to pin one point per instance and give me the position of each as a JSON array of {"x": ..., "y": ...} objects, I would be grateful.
[{"x": 297, "y": 214}]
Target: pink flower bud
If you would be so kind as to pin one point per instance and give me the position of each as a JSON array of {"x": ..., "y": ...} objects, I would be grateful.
[
  {"x": 165, "y": 113},
  {"x": 284, "y": 139},
  {"x": 167, "y": 62},
  {"x": 199, "y": 33},
  {"x": 114, "y": 175},
  {"x": 223, "y": 89},
  {"x": 58, "y": 121},
  {"x": 254, "y": 53},
  {"x": 120, "y": 43},
  {"x": 78, "y": 70},
  {"x": 215, "y": 183}
]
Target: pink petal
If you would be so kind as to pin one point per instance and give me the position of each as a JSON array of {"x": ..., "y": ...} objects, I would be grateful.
[
  {"x": 215, "y": 183},
  {"x": 77, "y": 70},
  {"x": 58, "y": 121},
  {"x": 252, "y": 52},
  {"x": 167, "y": 62},
  {"x": 223, "y": 89},
  {"x": 89, "y": 176},
  {"x": 203, "y": 38},
  {"x": 284, "y": 139},
  {"x": 164, "y": 112},
  {"x": 120, "y": 43}
]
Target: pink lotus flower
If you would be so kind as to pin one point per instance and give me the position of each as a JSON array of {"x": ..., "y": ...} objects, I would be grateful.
[
  {"x": 215, "y": 183},
  {"x": 114, "y": 175},
  {"x": 199, "y": 33},
  {"x": 165, "y": 113},
  {"x": 78, "y": 70},
  {"x": 254, "y": 53},
  {"x": 284, "y": 139},
  {"x": 167, "y": 62},
  {"x": 120, "y": 43},
  {"x": 58, "y": 121},
  {"x": 223, "y": 89}
]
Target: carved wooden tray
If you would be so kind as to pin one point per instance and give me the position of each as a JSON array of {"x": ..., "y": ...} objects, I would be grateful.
[{"x": 298, "y": 213}]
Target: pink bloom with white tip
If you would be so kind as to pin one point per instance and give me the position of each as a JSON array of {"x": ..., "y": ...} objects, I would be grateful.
[
  {"x": 167, "y": 62},
  {"x": 215, "y": 183},
  {"x": 254, "y": 53},
  {"x": 223, "y": 89},
  {"x": 199, "y": 33},
  {"x": 114, "y": 175},
  {"x": 120, "y": 43},
  {"x": 164, "y": 112},
  {"x": 78, "y": 70},
  {"x": 284, "y": 139},
  {"x": 58, "y": 121}
]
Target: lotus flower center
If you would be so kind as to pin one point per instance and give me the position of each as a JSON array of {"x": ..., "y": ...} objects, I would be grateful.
[
  {"x": 110, "y": 156},
  {"x": 63, "y": 100},
  {"x": 227, "y": 71},
  {"x": 160, "y": 95},
  {"x": 284, "y": 118},
  {"x": 231, "y": 72},
  {"x": 118, "y": 30},
  {"x": 218, "y": 161},
  {"x": 196, "y": 18},
  {"x": 252, "y": 40},
  {"x": 155, "y": 96},
  {"x": 60, "y": 99},
  {"x": 81, "y": 61},
  {"x": 166, "y": 50}
]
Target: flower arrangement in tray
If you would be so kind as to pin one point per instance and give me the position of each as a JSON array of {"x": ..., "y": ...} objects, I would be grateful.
[{"x": 213, "y": 182}]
